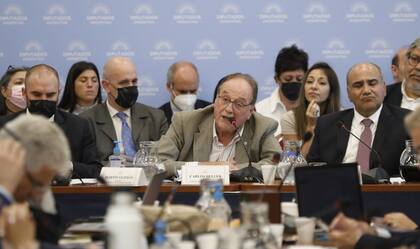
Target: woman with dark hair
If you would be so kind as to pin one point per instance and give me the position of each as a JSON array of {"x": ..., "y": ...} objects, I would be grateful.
[
  {"x": 319, "y": 95},
  {"x": 82, "y": 90},
  {"x": 11, "y": 85}
]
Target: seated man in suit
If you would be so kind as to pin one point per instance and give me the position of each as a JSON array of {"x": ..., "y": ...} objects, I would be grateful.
[
  {"x": 211, "y": 133},
  {"x": 348, "y": 233},
  {"x": 379, "y": 125},
  {"x": 120, "y": 118},
  {"x": 182, "y": 84},
  {"x": 42, "y": 89},
  {"x": 47, "y": 154},
  {"x": 406, "y": 94}
]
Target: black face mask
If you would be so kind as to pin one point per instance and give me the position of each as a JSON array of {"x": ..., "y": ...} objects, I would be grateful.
[
  {"x": 127, "y": 96},
  {"x": 42, "y": 107},
  {"x": 291, "y": 90}
]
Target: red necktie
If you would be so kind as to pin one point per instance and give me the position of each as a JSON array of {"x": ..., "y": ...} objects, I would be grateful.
[{"x": 363, "y": 152}]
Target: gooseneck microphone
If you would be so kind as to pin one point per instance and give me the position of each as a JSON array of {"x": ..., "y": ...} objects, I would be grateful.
[
  {"x": 249, "y": 173},
  {"x": 377, "y": 175}
]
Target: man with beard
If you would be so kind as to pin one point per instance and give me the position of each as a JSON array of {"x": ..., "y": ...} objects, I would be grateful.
[
  {"x": 120, "y": 118},
  {"x": 291, "y": 65},
  {"x": 42, "y": 89}
]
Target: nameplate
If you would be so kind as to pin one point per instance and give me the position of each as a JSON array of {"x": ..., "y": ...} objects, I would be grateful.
[
  {"x": 193, "y": 174},
  {"x": 124, "y": 176}
]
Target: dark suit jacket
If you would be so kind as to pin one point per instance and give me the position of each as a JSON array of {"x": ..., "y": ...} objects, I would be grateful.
[
  {"x": 396, "y": 240},
  {"x": 330, "y": 141},
  {"x": 147, "y": 124},
  {"x": 393, "y": 94},
  {"x": 85, "y": 160},
  {"x": 166, "y": 108}
]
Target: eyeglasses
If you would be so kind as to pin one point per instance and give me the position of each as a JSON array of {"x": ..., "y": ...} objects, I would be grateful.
[
  {"x": 413, "y": 60},
  {"x": 238, "y": 105}
]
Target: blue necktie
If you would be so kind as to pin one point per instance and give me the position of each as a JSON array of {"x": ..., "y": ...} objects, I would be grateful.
[{"x": 127, "y": 139}]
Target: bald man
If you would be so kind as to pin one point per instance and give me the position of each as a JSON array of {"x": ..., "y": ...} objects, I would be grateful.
[
  {"x": 182, "y": 82},
  {"x": 398, "y": 64},
  {"x": 379, "y": 125},
  {"x": 121, "y": 118},
  {"x": 42, "y": 88}
]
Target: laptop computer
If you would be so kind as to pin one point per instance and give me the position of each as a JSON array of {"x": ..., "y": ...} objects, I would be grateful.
[
  {"x": 153, "y": 189},
  {"x": 323, "y": 191}
]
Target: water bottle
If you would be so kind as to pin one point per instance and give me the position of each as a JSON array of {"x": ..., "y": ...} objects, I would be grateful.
[
  {"x": 116, "y": 159},
  {"x": 291, "y": 156},
  {"x": 160, "y": 240},
  {"x": 409, "y": 164},
  {"x": 219, "y": 211},
  {"x": 124, "y": 223},
  {"x": 203, "y": 202}
]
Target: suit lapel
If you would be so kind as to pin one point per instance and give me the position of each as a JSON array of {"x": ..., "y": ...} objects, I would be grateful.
[
  {"x": 240, "y": 152},
  {"x": 138, "y": 121},
  {"x": 384, "y": 126},
  {"x": 201, "y": 145},
  {"x": 343, "y": 135},
  {"x": 104, "y": 123}
]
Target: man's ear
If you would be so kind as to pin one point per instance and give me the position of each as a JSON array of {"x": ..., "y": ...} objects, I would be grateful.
[{"x": 106, "y": 85}]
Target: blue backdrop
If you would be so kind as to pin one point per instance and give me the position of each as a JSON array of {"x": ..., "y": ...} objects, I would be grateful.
[{"x": 220, "y": 37}]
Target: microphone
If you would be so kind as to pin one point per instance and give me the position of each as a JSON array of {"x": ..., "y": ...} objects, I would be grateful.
[
  {"x": 249, "y": 173},
  {"x": 376, "y": 175}
]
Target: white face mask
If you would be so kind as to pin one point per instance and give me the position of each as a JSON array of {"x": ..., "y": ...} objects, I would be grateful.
[
  {"x": 185, "y": 102},
  {"x": 17, "y": 97}
]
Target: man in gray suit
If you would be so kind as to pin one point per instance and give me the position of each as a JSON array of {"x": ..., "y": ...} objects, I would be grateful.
[
  {"x": 120, "y": 118},
  {"x": 211, "y": 134}
]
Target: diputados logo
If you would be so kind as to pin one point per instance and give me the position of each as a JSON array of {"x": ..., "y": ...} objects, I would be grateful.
[
  {"x": 33, "y": 51},
  {"x": 230, "y": 13},
  {"x": 403, "y": 12},
  {"x": 273, "y": 13},
  {"x": 147, "y": 87},
  {"x": 249, "y": 50},
  {"x": 336, "y": 49},
  {"x": 360, "y": 13},
  {"x": 163, "y": 50},
  {"x": 13, "y": 15},
  {"x": 187, "y": 14},
  {"x": 77, "y": 51},
  {"x": 121, "y": 48},
  {"x": 207, "y": 50},
  {"x": 56, "y": 15},
  {"x": 379, "y": 48},
  {"x": 143, "y": 14},
  {"x": 316, "y": 13},
  {"x": 100, "y": 14}
]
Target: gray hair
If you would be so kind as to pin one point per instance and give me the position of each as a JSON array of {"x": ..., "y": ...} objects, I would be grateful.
[
  {"x": 366, "y": 63},
  {"x": 174, "y": 67},
  {"x": 45, "y": 143},
  {"x": 415, "y": 44},
  {"x": 412, "y": 120}
]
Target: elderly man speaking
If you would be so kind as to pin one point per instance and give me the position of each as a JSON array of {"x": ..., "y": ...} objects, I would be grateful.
[{"x": 211, "y": 134}]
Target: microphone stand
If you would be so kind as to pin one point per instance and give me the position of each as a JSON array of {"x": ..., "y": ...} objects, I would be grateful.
[
  {"x": 249, "y": 173},
  {"x": 376, "y": 175}
]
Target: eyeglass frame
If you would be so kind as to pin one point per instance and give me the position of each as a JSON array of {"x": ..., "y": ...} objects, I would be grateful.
[
  {"x": 409, "y": 60},
  {"x": 237, "y": 106}
]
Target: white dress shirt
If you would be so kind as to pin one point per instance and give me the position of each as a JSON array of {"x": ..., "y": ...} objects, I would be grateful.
[
  {"x": 272, "y": 107},
  {"x": 407, "y": 102},
  {"x": 221, "y": 153},
  {"x": 117, "y": 122},
  {"x": 357, "y": 128}
]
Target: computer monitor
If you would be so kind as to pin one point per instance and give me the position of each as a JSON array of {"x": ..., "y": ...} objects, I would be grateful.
[{"x": 323, "y": 191}]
